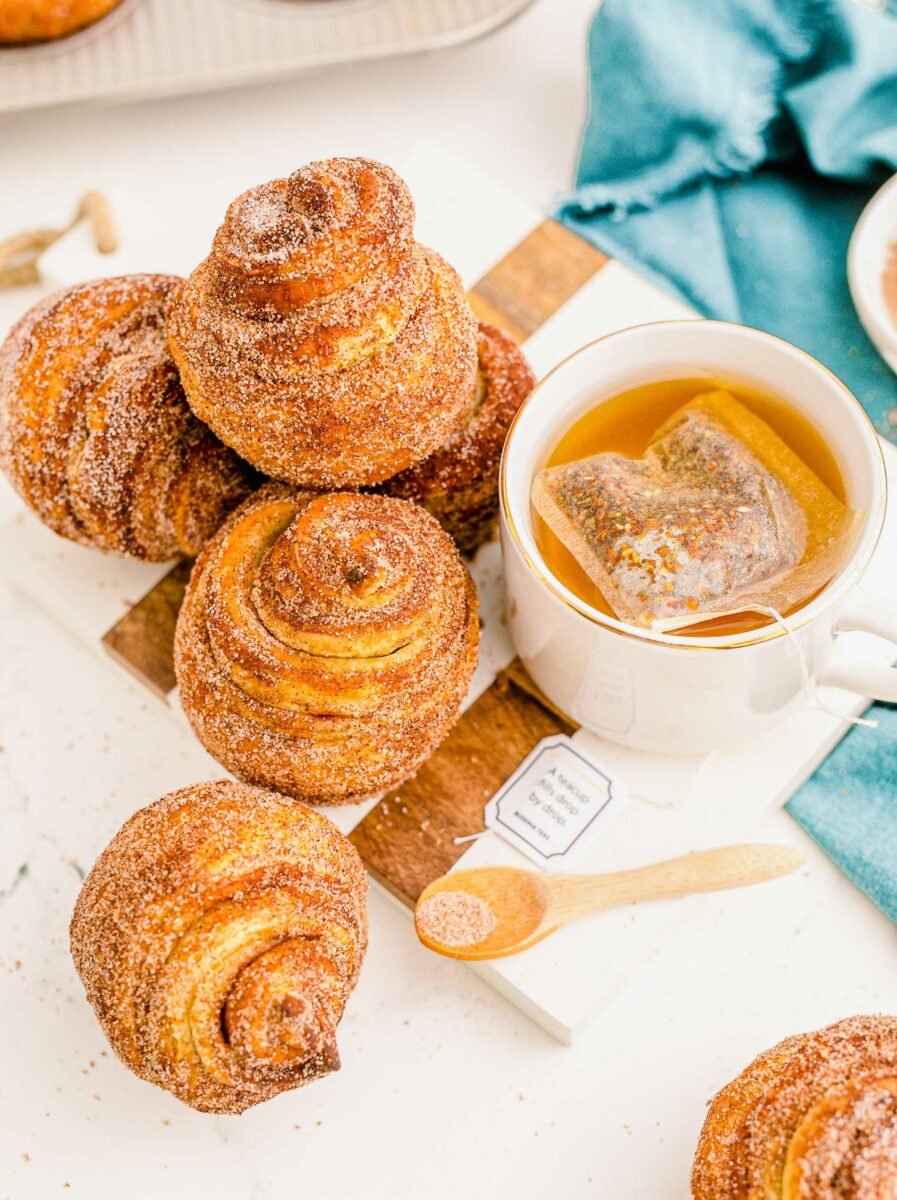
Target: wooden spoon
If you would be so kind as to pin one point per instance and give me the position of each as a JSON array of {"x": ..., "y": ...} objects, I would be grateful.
[{"x": 529, "y": 905}]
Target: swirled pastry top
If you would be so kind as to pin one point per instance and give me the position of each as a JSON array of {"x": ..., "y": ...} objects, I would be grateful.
[
  {"x": 218, "y": 937},
  {"x": 318, "y": 338},
  {"x": 95, "y": 432},
  {"x": 326, "y": 641},
  {"x": 814, "y": 1118},
  {"x": 328, "y": 227}
]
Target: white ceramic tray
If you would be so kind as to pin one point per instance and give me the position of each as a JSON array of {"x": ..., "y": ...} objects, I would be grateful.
[
  {"x": 676, "y": 805},
  {"x": 163, "y": 47}
]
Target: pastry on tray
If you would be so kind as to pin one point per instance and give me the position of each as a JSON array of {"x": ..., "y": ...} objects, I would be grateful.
[
  {"x": 326, "y": 642},
  {"x": 319, "y": 339},
  {"x": 44, "y": 20},
  {"x": 218, "y": 938},
  {"x": 95, "y": 433},
  {"x": 814, "y": 1118},
  {"x": 458, "y": 483}
]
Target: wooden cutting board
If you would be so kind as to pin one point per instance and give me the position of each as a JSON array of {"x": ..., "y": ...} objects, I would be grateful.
[{"x": 411, "y": 836}]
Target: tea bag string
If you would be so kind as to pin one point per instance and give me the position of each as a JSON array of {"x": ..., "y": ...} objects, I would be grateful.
[{"x": 809, "y": 683}]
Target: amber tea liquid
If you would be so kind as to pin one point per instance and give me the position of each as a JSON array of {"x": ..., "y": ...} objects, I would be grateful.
[{"x": 626, "y": 423}]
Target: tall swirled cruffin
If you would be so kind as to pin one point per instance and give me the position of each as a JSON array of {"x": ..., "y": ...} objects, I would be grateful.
[
  {"x": 319, "y": 339},
  {"x": 218, "y": 937},
  {"x": 814, "y": 1118},
  {"x": 326, "y": 642}
]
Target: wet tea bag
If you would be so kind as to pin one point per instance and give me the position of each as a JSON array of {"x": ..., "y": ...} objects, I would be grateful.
[{"x": 718, "y": 517}]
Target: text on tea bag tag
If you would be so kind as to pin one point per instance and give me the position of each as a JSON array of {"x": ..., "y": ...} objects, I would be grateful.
[{"x": 554, "y": 803}]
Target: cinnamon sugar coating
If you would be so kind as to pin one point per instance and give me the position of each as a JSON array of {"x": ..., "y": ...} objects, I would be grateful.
[
  {"x": 814, "y": 1118},
  {"x": 458, "y": 483},
  {"x": 326, "y": 642},
  {"x": 218, "y": 938},
  {"x": 95, "y": 433},
  {"x": 318, "y": 339},
  {"x": 44, "y": 20}
]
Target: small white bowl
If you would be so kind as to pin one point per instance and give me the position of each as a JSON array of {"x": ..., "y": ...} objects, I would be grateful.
[{"x": 870, "y": 243}]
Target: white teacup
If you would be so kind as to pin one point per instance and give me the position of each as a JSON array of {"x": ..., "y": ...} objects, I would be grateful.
[{"x": 663, "y": 692}]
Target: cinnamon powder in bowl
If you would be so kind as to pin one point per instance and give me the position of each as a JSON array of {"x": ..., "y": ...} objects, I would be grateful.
[{"x": 889, "y": 284}]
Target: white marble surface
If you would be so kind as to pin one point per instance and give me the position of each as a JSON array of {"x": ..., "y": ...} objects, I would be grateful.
[{"x": 444, "y": 1089}]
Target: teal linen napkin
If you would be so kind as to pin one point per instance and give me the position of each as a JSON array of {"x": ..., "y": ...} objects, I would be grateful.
[
  {"x": 729, "y": 149},
  {"x": 849, "y": 808}
]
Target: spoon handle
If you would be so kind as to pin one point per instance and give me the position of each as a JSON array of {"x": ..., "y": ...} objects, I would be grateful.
[{"x": 573, "y": 896}]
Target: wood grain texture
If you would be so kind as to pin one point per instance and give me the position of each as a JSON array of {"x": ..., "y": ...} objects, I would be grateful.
[
  {"x": 143, "y": 640},
  {"x": 531, "y": 283},
  {"x": 408, "y": 839}
]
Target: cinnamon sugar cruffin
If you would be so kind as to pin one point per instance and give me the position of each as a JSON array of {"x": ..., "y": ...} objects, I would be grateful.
[
  {"x": 326, "y": 642},
  {"x": 458, "y": 483},
  {"x": 95, "y": 433},
  {"x": 318, "y": 338},
  {"x": 218, "y": 938},
  {"x": 815, "y": 1118},
  {"x": 43, "y": 20}
]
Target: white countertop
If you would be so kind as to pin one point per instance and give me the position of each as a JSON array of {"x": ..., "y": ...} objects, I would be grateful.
[{"x": 445, "y": 1090}]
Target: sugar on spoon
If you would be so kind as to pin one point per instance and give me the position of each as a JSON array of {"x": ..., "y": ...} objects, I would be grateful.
[{"x": 493, "y": 912}]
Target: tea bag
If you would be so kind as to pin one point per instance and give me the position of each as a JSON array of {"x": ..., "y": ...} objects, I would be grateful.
[{"x": 719, "y": 516}]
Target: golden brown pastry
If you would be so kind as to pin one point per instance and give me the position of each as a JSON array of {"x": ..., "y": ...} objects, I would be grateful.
[
  {"x": 458, "y": 483},
  {"x": 95, "y": 433},
  {"x": 43, "y": 20},
  {"x": 815, "y": 1118},
  {"x": 318, "y": 338},
  {"x": 218, "y": 938},
  {"x": 326, "y": 642}
]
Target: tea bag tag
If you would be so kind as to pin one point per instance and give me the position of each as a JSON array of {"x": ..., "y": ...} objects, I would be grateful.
[{"x": 555, "y": 803}]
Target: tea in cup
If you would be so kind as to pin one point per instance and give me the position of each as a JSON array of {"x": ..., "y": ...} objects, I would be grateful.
[{"x": 641, "y": 427}]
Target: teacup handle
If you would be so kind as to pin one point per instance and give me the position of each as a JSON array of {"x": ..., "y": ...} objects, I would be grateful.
[{"x": 865, "y": 613}]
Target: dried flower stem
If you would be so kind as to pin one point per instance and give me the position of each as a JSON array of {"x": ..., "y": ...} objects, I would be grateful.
[{"x": 20, "y": 254}]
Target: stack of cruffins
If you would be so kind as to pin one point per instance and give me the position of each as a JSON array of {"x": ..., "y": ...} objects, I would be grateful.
[{"x": 318, "y": 416}]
